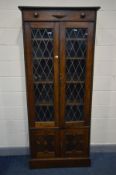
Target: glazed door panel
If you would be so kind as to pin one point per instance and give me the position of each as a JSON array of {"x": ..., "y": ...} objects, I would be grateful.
[
  {"x": 42, "y": 66},
  {"x": 75, "y": 73}
]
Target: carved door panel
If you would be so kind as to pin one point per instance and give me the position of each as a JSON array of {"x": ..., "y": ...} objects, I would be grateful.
[
  {"x": 45, "y": 143},
  {"x": 74, "y": 142}
]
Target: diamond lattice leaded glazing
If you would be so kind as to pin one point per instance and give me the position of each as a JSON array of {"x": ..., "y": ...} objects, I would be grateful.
[
  {"x": 76, "y": 51},
  {"x": 75, "y": 69},
  {"x": 75, "y": 92},
  {"x": 42, "y": 57},
  {"x": 44, "y": 113},
  {"x": 43, "y": 93},
  {"x": 74, "y": 112},
  {"x": 43, "y": 69}
]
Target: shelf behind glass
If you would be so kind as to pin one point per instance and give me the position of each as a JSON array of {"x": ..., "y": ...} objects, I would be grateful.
[{"x": 44, "y": 103}]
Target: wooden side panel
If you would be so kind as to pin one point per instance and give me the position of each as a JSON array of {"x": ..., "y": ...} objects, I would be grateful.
[
  {"x": 89, "y": 74},
  {"x": 28, "y": 72}
]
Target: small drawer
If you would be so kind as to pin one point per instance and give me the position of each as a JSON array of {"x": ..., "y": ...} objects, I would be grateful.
[{"x": 59, "y": 15}]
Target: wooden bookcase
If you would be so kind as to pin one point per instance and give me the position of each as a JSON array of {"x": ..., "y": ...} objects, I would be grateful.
[{"x": 59, "y": 56}]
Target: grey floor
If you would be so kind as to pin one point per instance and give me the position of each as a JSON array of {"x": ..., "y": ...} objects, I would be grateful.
[{"x": 102, "y": 164}]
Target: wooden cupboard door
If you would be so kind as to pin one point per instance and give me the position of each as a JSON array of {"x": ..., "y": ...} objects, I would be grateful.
[
  {"x": 75, "y": 73},
  {"x": 75, "y": 142},
  {"x": 41, "y": 59},
  {"x": 44, "y": 143}
]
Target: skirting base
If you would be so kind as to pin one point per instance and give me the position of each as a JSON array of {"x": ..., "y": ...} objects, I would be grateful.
[{"x": 59, "y": 162}]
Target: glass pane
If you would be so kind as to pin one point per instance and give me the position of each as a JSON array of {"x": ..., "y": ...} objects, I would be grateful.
[
  {"x": 42, "y": 55},
  {"x": 44, "y": 113},
  {"x": 75, "y": 92},
  {"x": 75, "y": 69},
  {"x": 76, "y": 50},
  {"x": 43, "y": 69}
]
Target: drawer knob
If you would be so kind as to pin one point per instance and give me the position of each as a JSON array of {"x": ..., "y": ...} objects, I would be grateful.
[
  {"x": 36, "y": 14},
  {"x": 82, "y": 15}
]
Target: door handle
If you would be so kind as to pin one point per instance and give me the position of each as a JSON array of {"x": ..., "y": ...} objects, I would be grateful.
[
  {"x": 59, "y": 16},
  {"x": 56, "y": 57}
]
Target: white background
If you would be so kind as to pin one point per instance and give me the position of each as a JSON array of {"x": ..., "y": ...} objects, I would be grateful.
[{"x": 13, "y": 110}]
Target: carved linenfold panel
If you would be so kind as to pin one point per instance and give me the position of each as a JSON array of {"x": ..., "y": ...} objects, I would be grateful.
[
  {"x": 73, "y": 143},
  {"x": 45, "y": 143}
]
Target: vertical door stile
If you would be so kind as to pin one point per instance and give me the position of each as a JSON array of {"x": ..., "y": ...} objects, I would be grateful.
[
  {"x": 89, "y": 74},
  {"x": 62, "y": 85},
  {"x": 29, "y": 73},
  {"x": 56, "y": 72},
  {"x": 62, "y": 74}
]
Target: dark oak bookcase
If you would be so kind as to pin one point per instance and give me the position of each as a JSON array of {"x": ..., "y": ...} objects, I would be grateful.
[{"x": 59, "y": 56}]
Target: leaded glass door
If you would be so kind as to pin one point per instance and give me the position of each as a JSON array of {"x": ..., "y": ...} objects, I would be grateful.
[
  {"x": 44, "y": 82},
  {"x": 75, "y": 70}
]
